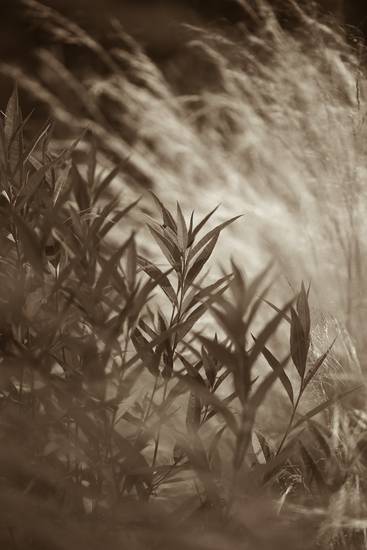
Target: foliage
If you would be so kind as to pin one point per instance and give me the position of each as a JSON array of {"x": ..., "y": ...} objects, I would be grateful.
[
  {"x": 146, "y": 400},
  {"x": 122, "y": 416}
]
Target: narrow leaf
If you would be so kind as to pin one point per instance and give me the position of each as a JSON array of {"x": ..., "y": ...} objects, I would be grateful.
[
  {"x": 276, "y": 366},
  {"x": 201, "y": 259},
  {"x": 166, "y": 214},
  {"x": 299, "y": 344},
  {"x": 182, "y": 233},
  {"x": 159, "y": 277},
  {"x": 303, "y": 311}
]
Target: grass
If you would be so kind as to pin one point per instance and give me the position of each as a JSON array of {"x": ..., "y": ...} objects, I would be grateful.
[{"x": 154, "y": 393}]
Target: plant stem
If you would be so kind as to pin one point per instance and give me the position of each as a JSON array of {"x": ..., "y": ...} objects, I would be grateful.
[{"x": 290, "y": 423}]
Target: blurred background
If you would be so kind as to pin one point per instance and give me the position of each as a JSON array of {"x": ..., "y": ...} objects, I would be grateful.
[{"x": 156, "y": 24}]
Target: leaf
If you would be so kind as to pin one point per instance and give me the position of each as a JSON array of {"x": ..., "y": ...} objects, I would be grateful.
[
  {"x": 221, "y": 379},
  {"x": 264, "y": 446},
  {"x": 210, "y": 367},
  {"x": 80, "y": 188},
  {"x": 104, "y": 216},
  {"x": 182, "y": 234},
  {"x": 238, "y": 287},
  {"x": 190, "y": 237},
  {"x": 276, "y": 366},
  {"x": 127, "y": 403},
  {"x": 220, "y": 351},
  {"x": 139, "y": 299},
  {"x": 271, "y": 468},
  {"x": 30, "y": 244},
  {"x": 166, "y": 247},
  {"x": 145, "y": 352},
  {"x": 160, "y": 278},
  {"x": 106, "y": 182},
  {"x": 262, "y": 390},
  {"x": 286, "y": 317},
  {"x": 12, "y": 114},
  {"x": 209, "y": 398},
  {"x": 147, "y": 328},
  {"x": 166, "y": 348},
  {"x": 201, "y": 260},
  {"x": 187, "y": 325},
  {"x": 201, "y": 224},
  {"x": 135, "y": 464},
  {"x": 60, "y": 184},
  {"x": 209, "y": 236},
  {"x": 193, "y": 413},
  {"x": 14, "y": 138},
  {"x": 110, "y": 267},
  {"x": 131, "y": 263},
  {"x": 167, "y": 216},
  {"x": 33, "y": 143},
  {"x": 315, "y": 367},
  {"x": 256, "y": 306},
  {"x": 266, "y": 333},
  {"x": 303, "y": 311},
  {"x": 35, "y": 181},
  {"x": 253, "y": 288},
  {"x": 232, "y": 325},
  {"x": 199, "y": 294},
  {"x": 92, "y": 164},
  {"x": 155, "y": 342},
  {"x": 299, "y": 344},
  {"x": 116, "y": 219},
  {"x": 226, "y": 401}
]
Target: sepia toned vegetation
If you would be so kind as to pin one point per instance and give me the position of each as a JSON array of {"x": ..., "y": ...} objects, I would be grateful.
[{"x": 174, "y": 374}]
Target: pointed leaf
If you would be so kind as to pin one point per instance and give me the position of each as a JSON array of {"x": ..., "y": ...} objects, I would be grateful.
[
  {"x": 187, "y": 325},
  {"x": 315, "y": 367},
  {"x": 116, "y": 219},
  {"x": 266, "y": 333},
  {"x": 167, "y": 216},
  {"x": 209, "y": 235},
  {"x": 30, "y": 243},
  {"x": 145, "y": 352},
  {"x": 299, "y": 344},
  {"x": 131, "y": 263},
  {"x": 303, "y": 311},
  {"x": 208, "y": 398},
  {"x": 182, "y": 233},
  {"x": 160, "y": 278},
  {"x": 193, "y": 413},
  {"x": 275, "y": 308},
  {"x": 198, "y": 295},
  {"x": 262, "y": 390},
  {"x": 166, "y": 247},
  {"x": 201, "y": 259},
  {"x": 201, "y": 224},
  {"x": 238, "y": 287},
  {"x": 276, "y": 366},
  {"x": 220, "y": 352}
]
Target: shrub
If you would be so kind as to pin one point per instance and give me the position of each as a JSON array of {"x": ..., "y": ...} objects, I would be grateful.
[{"x": 122, "y": 420}]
